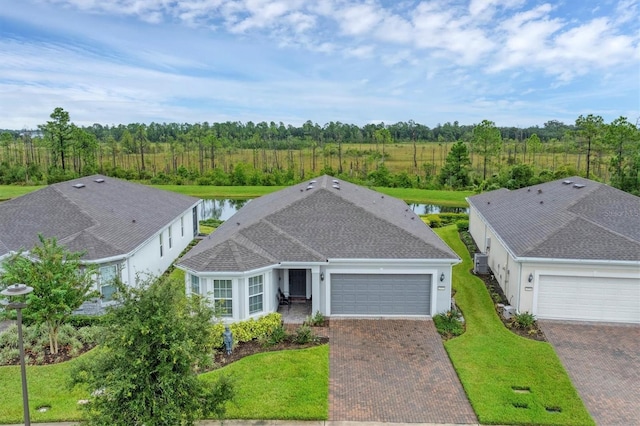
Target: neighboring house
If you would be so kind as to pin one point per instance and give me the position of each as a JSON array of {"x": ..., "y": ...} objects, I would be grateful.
[
  {"x": 124, "y": 228},
  {"x": 567, "y": 249},
  {"x": 351, "y": 250}
]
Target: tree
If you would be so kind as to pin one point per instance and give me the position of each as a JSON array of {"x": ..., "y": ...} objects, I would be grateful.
[
  {"x": 486, "y": 142},
  {"x": 590, "y": 129},
  {"x": 455, "y": 171},
  {"x": 60, "y": 283},
  {"x": 58, "y": 131},
  {"x": 623, "y": 138},
  {"x": 146, "y": 368}
]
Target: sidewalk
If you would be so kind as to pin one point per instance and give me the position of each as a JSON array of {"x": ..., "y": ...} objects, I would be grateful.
[{"x": 282, "y": 423}]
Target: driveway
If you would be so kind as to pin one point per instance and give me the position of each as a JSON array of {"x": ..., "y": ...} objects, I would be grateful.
[
  {"x": 393, "y": 371},
  {"x": 603, "y": 361}
]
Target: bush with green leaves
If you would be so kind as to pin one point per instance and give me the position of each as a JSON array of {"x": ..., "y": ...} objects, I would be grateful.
[
  {"x": 449, "y": 324},
  {"x": 462, "y": 225},
  {"x": 315, "y": 320},
  {"x": 156, "y": 341},
  {"x": 245, "y": 331},
  {"x": 277, "y": 335},
  {"x": 304, "y": 335},
  {"x": 523, "y": 320}
]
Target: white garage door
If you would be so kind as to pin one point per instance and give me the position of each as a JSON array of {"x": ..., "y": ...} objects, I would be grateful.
[
  {"x": 379, "y": 294},
  {"x": 588, "y": 298}
]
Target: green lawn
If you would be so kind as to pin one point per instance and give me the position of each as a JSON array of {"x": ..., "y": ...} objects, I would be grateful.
[
  {"x": 280, "y": 385},
  {"x": 410, "y": 195},
  {"x": 491, "y": 361},
  {"x": 284, "y": 385}
]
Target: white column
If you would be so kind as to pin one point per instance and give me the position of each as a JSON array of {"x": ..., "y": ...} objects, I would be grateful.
[
  {"x": 285, "y": 280},
  {"x": 315, "y": 289}
]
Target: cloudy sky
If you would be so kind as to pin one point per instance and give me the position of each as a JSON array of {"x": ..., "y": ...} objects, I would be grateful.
[{"x": 515, "y": 62}]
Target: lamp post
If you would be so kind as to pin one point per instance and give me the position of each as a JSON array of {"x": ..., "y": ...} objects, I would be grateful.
[{"x": 20, "y": 290}]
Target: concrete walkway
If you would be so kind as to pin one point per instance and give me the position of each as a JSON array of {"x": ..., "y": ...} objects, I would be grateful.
[
  {"x": 392, "y": 370},
  {"x": 603, "y": 361}
]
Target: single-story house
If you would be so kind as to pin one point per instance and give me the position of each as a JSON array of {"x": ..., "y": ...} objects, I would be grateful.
[
  {"x": 124, "y": 228},
  {"x": 567, "y": 249},
  {"x": 351, "y": 250}
]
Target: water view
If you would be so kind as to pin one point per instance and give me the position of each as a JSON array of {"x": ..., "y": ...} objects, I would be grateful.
[{"x": 223, "y": 209}]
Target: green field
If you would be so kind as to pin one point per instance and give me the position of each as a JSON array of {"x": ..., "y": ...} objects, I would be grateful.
[{"x": 443, "y": 198}]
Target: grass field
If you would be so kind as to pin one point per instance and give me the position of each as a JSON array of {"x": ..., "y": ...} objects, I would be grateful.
[
  {"x": 494, "y": 365},
  {"x": 444, "y": 198}
]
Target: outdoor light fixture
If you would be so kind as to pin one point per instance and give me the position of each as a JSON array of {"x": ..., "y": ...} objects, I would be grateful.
[
  {"x": 530, "y": 277},
  {"x": 442, "y": 276},
  {"x": 11, "y": 291},
  {"x": 321, "y": 276}
]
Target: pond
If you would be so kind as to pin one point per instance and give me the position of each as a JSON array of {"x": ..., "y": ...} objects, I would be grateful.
[{"x": 223, "y": 209}]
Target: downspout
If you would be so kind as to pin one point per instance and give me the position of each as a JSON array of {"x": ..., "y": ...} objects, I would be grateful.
[{"x": 519, "y": 285}]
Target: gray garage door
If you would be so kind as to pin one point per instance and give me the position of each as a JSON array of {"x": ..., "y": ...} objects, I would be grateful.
[{"x": 374, "y": 294}]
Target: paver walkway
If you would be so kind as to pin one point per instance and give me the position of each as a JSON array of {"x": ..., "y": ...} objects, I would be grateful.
[
  {"x": 603, "y": 361},
  {"x": 384, "y": 370}
]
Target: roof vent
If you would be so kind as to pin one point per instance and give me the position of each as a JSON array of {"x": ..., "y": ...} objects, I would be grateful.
[
  {"x": 312, "y": 182},
  {"x": 567, "y": 182},
  {"x": 336, "y": 181},
  {"x": 99, "y": 180},
  {"x": 336, "y": 186},
  {"x": 578, "y": 185},
  {"x": 309, "y": 187},
  {"x": 78, "y": 185},
  {"x": 539, "y": 191}
]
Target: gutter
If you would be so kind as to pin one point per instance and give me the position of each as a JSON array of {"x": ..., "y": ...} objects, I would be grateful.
[{"x": 401, "y": 261}]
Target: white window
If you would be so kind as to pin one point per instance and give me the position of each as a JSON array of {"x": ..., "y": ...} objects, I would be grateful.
[
  {"x": 161, "y": 247},
  {"x": 108, "y": 275},
  {"x": 170, "y": 242},
  {"x": 223, "y": 297},
  {"x": 255, "y": 294},
  {"x": 195, "y": 284},
  {"x": 182, "y": 226}
]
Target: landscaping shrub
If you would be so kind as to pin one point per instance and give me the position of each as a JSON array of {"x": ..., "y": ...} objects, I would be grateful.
[
  {"x": 523, "y": 320},
  {"x": 434, "y": 220},
  {"x": 315, "y": 320},
  {"x": 304, "y": 335},
  {"x": 449, "y": 324},
  {"x": 250, "y": 329},
  {"x": 79, "y": 321},
  {"x": 462, "y": 225},
  {"x": 277, "y": 335}
]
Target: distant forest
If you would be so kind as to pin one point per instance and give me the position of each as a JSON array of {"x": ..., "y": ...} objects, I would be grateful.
[{"x": 406, "y": 154}]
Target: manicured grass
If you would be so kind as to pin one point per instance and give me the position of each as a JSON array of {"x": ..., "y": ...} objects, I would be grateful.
[
  {"x": 410, "y": 195},
  {"x": 12, "y": 191},
  {"x": 490, "y": 360},
  {"x": 48, "y": 386},
  {"x": 285, "y": 385},
  {"x": 280, "y": 385}
]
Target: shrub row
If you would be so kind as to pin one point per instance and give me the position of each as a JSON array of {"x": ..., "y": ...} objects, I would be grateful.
[{"x": 248, "y": 330}]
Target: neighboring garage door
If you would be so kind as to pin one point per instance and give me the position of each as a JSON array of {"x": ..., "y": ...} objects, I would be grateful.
[
  {"x": 375, "y": 294},
  {"x": 589, "y": 298}
]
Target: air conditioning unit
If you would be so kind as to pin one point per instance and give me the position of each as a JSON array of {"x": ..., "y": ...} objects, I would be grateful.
[
  {"x": 508, "y": 312},
  {"x": 481, "y": 262}
]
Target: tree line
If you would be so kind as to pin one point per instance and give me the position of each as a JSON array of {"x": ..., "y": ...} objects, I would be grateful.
[{"x": 239, "y": 153}]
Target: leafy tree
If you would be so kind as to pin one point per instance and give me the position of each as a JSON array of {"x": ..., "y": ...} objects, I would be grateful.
[
  {"x": 455, "y": 171},
  {"x": 146, "y": 368},
  {"x": 623, "y": 138},
  {"x": 58, "y": 131},
  {"x": 60, "y": 284},
  {"x": 486, "y": 142},
  {"x": 590, "y": 129}
]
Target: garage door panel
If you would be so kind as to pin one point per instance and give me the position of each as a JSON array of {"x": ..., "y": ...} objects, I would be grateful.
[
  {"x": 375, "y": 294},
  {"x": 589, "y": 298}
]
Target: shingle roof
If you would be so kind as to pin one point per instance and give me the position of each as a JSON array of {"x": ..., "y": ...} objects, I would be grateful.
[
  {"x": 300, "y": 225},
  {"x": 559, "y": 220},
  {"x": 104, "y": 219}
]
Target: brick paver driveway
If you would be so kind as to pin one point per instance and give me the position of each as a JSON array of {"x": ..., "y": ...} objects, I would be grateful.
[
  {"x": 603, "y": 361},
  {"x": 393, "y": 371}
]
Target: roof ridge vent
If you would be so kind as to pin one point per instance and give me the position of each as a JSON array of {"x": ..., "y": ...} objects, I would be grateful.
[{"x": 78, "y": 185}]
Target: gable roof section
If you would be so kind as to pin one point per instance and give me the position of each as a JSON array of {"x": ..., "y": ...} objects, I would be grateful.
[
  {"x": 297, "y": 224},
  {"x": 559, "y": 220},
  {"x": 105, "y": 219}
]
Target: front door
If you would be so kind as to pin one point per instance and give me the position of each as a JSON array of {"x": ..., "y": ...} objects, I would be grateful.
[{"x": 298, "y": 282}]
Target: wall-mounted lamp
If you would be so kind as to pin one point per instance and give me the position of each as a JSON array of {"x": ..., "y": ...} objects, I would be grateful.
[
  {"x": 442, "y": 276},
  {"x": 321, "y": 276},
  {"x": 530, "y": 277}
]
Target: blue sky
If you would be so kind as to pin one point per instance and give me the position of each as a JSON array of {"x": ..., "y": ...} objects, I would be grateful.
[{"x": 515, "y": 62}]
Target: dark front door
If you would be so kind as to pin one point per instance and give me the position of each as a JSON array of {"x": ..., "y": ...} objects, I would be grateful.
[{"x": 298, "y": 282}]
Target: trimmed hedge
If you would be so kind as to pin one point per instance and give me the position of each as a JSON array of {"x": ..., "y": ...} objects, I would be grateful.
[{"x": 248, "y": 330}]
